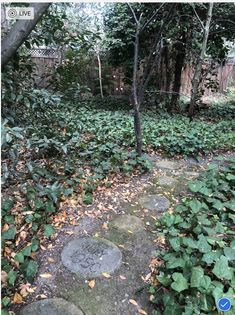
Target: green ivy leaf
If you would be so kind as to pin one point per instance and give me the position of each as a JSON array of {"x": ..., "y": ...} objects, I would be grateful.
[
  {"x": 173, "y": 310},
  {"x": 174, "y": 263},
  {"x": 5, "y": 301},
  {"x": 68, "y": 192},
  {"x": 50, "y": 206},
  {"x": 87, "y": 199},
  {"x": 197, "y": 275},
  {"x": 217, "y": 293},
  {"x": 230, "y": 176},
  {"x": 9, "y": 234},
  {"x": 229, "y": 252},
  {"x": 11, "y": 277},
  {"x": 195, "y": 186},
  {"x": 187, "y": 241},
  {"x": 49, "y": 230},
  {"x": 217, "y": 204},
  {"x": 19, "y": 257},
  {"x": 203, "y": 245},
  {"x": 222, "y": 269},
  {"x": 211, "y": 257},
  {"x": 175, "y": 243},
  {"x": 195, "y": 205},
  {"x": 180, "y": 283},
  {"x": 163, "y": 279},
  {"x": 7, "y": 204},
  {"x": 9, "y": 219},
  {"x": 198, "y": 279},
  {"x": 27, "y": 251},
  {"x": 31, "y": 270}
]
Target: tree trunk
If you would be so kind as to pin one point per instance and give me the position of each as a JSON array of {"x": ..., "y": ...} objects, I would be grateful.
[
  {"x": 198, "y": 69},
  {"x": 135, "y": 98},
  {"x": 167, "y": 67},
  {"x": 100, "y": 75},
  {"x": 139, "y": 85},
  {"x": 179, "y": 63},
  {"x": 19, "y": 32}
]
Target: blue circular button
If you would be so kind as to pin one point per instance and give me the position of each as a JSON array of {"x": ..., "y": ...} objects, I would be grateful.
[{"x": 224, "y": 304}]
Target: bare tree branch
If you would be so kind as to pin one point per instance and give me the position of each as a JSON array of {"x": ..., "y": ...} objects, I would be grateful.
[
  {"x": 133, "y": 13},
  {"x": 150, "y": 19},
  {"x": 200, "y": 21}
]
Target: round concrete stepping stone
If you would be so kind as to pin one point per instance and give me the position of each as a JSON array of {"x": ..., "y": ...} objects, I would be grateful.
[
  {"x": 166, "y": 181},
  {"x": 171, "y": 165},
  {"x": 128, "y": 223},
  {"x": 56, "y": 306},
  {"x": 90, "y": 257},
  {"x": 155, "y": 202}
]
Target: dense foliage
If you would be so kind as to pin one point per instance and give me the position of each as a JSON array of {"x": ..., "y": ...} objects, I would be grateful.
[
  {"x": 62, "y": 150},
  {"x": 61, "y": 143},
  {"x": 197, "y": 263}
]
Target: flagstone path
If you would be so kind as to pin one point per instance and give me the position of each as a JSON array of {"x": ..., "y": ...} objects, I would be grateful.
[{"x": 101, "y": 265}]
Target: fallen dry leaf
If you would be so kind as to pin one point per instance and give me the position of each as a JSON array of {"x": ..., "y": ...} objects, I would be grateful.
[
  {"x": 147, "y": 277},
  {"x": 42, "y": 296},
  {"x": 106, "y": 275},
  {"x": 122, "y": 246},
  {"x": 5, "y": 227},
  {"x": 17, "y": 298},
  {"x": 23, "y": 291},
  {"x": 45, "y": 275},
  {"x": 69, "y": 232},
  {"x": 129, "y": 231},
  {"x": 142, "y": 312},
  {"x": 133, "y": 302},
  {"x": 105, "y": 226},
  {"x": 91, "y": 284},
  {"x": 122, "y": 277},
  {"x": 26, "y": 286},
  {"x": 73, "y": 222},
  {"x": 50, "y": 260},
  {"x": 31, "y": 290},
  {"x": 8, "y": 250}
]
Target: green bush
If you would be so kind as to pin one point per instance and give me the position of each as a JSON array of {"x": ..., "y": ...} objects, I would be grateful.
[{"x": 197, "y": 264}]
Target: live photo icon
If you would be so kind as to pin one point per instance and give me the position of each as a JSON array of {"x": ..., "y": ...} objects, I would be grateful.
[{"x": 20, "y": 13}]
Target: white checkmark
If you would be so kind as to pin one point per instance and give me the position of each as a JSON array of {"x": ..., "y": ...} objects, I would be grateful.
[{"x": 223, "y": 305}]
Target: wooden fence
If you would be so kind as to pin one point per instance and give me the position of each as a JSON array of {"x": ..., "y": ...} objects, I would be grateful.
[
  {"x": 224, "y": 75},
  {"x": 46, "y": 59}
]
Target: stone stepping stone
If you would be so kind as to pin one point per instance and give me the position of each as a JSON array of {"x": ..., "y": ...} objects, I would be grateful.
[
  {"x": 171, "y": 165},
  {"x": 55, "y": 306},
  {"x": 166, "y": 181},
  {"x": 155, "y": 202},
  {"x": 90, "y": 257},
  {"x": 128, "y": 223}
]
